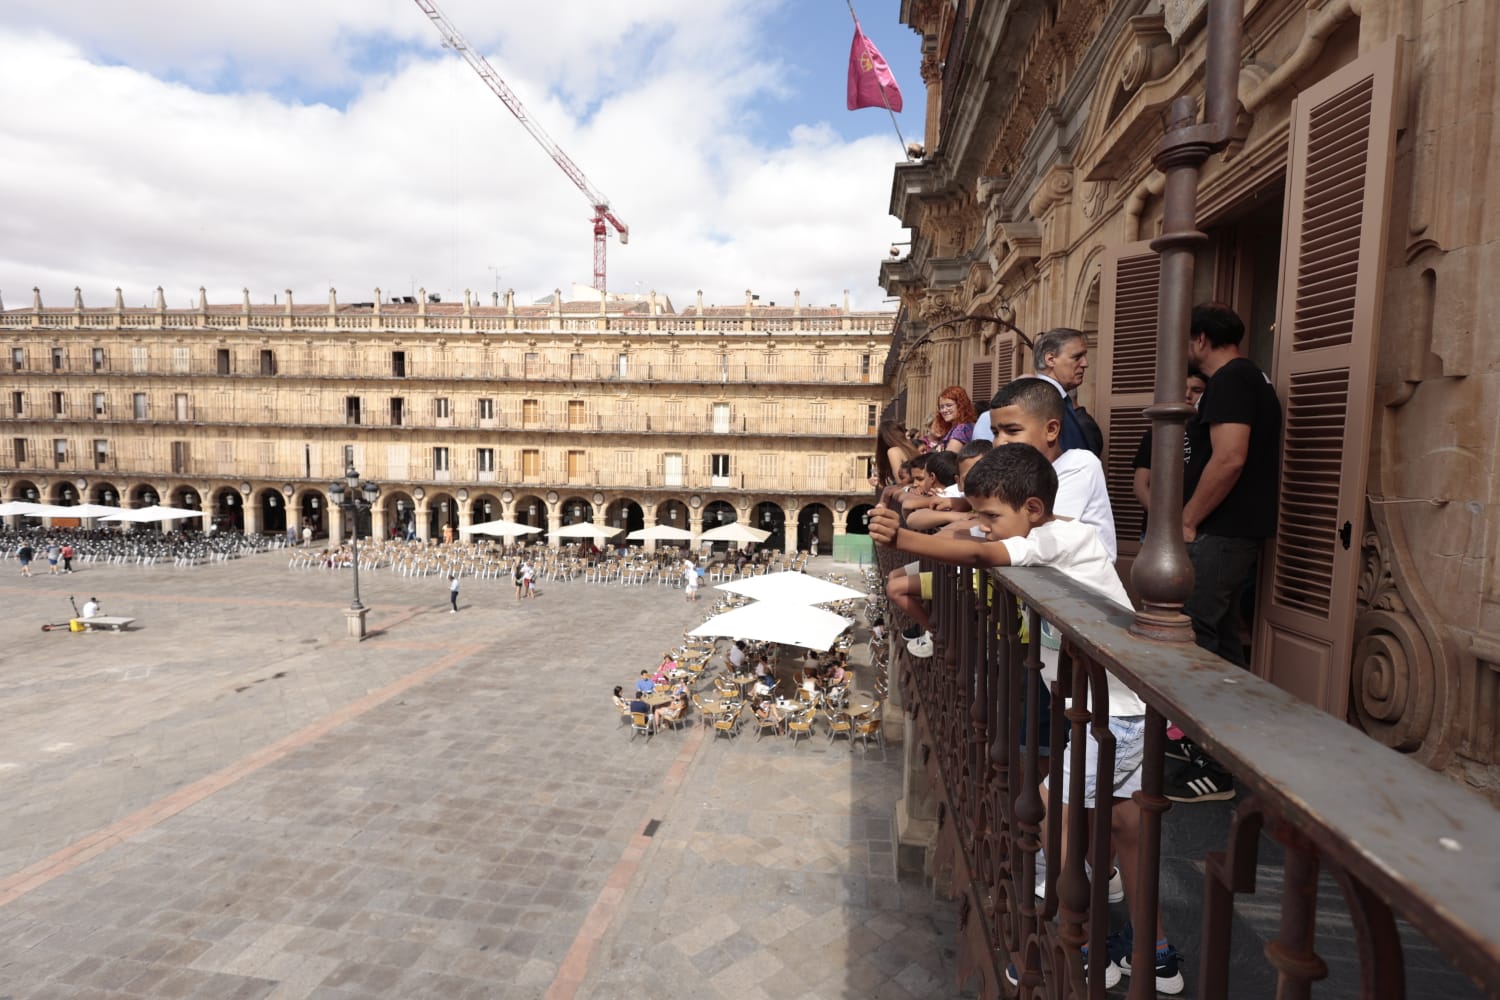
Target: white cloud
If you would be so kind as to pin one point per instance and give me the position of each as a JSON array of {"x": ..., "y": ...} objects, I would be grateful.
[{"x": 114, "y": 176}]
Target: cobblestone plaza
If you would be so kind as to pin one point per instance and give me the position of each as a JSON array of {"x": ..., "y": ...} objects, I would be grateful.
[{"x": 233, "y": 800}]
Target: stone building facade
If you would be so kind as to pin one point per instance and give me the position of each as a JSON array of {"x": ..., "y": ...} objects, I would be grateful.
[
  {"x": 620, "y": 411},
  {"x": 1347, "y": 223}
]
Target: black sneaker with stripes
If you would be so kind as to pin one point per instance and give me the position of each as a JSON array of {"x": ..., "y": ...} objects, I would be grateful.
[{"x": 1200, "y": 780}]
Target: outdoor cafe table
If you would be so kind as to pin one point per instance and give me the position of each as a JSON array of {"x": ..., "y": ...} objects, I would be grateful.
[
  {"x": 860, "y": 704},
  {"x": 657, "y": 698}
]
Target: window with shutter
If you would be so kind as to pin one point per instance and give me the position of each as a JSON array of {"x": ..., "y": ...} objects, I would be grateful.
[
  {"x": 982, "y": 382},
  {"x": 1128, "y": 284},
  {"x": 1340, "y": 164}
]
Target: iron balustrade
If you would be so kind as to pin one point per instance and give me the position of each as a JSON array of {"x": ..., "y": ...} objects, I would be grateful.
[{"x": 1400, "y": 842}]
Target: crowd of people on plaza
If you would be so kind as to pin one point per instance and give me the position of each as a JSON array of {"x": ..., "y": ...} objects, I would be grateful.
[
  {"x": 780, "y": 689},
  {"x": 1027, "y": 489},
  {"x": 63, "y": 550}
]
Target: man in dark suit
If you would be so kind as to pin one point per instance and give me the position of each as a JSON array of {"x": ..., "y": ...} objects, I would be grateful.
[{"x": 1061, "y": 356}]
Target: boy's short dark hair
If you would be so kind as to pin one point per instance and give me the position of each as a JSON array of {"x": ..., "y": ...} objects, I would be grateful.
[
  {"x": 1218, "y": 323},
  {"x": 918, "y": 461},
  {"x": 975, "y": 449},
  {"x": 1035, "y": 396},
  {"x": 943, "y": 466},
  {"x": 1013, "y": 474}
]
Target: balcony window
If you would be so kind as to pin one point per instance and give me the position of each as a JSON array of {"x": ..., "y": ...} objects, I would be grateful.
[
  {"x": 351, "y": 410},
  {"x": 58, "y": 404},
  {"x": 101, "y": 404},
  {"x": 59, "y": 452},
  {"x": 268, "y": 362},
  {"x": 221, "y": 361},
  {"x": 531, "y": 463},
  {"x": 486, "y": 409},
  {"x": 398, "y": 364},
  {"x": 57, "y": 359},
  {"x": 138, "y": 405},
  {"x": 577, "y": 413},
  {"x": 18, "y": 447},
  {"x": 17, "y": 358}
]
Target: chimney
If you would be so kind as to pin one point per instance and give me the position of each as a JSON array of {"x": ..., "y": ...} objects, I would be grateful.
[
  {"x": 468, "y": 302},
  {"x": 557, "y": 301},
  {"x": 749, "y": 300},
  {"x": 78, "y": 298},
  {"x": 797, "y": 302},
  {"x": 377, "y": 300},
  {"x": 161, "y": 300},
  {"x": 36, "y": 299},
  {"x": 333, "y": 301},
  {"x": 119, "y": 300},
  {"x": 652, "y": 299},
  {"x": 494, "y": 300},
  {"x": 288, "y": 301},
  {"x": 245, "y": 304},
  {"x": 422, "y": 302},
  {"x": 202, "y": 299},
  {"x": 700, "y": 302},
  {"x": 510, "y": 302},
  {"x": 846, "y": 301}
]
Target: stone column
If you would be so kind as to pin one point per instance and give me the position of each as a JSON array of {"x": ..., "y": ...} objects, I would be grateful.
[
  {"x": 424, "y": 525},
  {"x": 336, "y": 525},
  {"x": 378, "y": 526},
  {"x": 465, "y": 517},
  {"x": 554, "y": 523},
  {"x": 252, "y": 515}
]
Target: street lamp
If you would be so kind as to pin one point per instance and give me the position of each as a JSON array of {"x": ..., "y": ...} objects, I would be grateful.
[{"x": 354, "y": 499}]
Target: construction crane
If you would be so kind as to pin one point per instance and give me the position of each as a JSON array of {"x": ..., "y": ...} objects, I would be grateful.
[{"x": 602, "y": 212}]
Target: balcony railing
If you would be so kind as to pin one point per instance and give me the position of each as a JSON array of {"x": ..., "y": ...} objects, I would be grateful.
[{"x": 1413, "y": 855}]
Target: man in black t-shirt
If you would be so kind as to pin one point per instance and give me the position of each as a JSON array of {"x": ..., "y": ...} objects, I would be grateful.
[{"x": 1233, "y": 507}]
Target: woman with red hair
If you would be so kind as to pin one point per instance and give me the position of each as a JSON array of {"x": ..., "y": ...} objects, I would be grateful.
[{"x": 955, "y": 419}]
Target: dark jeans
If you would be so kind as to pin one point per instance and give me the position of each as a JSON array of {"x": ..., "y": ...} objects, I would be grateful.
[{"x": 1222, "y": 568}]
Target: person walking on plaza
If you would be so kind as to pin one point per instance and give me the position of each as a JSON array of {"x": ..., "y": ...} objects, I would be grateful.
[
  {"x": 528, "y": 576},
  {"x": 24, "y": 555},
  {"x": 54, "y": 553},
  {"x": 453, "y": 593},
  {"x": 519, "y": 575},
  {"x": 1231, "y": 513},
  {"x": 67, "y": 557},
  {"x": 690, "y": 580}
]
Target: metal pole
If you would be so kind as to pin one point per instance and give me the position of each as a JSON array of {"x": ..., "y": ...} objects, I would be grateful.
[
  {"x": 353, "y": 510},
  {"x": 1163, "y": 573}
]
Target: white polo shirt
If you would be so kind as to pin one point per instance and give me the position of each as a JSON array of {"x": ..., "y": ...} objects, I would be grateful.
[{"x": 1083, "y": 495}]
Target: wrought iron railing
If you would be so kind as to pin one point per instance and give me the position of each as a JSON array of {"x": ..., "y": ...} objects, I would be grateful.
[{"x": 1406, "y": 847}]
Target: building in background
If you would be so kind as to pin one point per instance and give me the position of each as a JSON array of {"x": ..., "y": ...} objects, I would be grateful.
[{"x": 616, "y": 410}]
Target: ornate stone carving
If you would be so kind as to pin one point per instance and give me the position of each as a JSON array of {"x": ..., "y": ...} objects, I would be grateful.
[
  {"x": 1401, "y": 681},
  {"x": 1153, "y": 55},
  {"x": 1054, "y": 190},
  {"x": 1094, "y": 195}
]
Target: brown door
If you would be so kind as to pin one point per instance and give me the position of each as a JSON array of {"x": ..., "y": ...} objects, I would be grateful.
[
  {"x": 1340, "y": 162},
  {"x": 1128, "y": 282}
]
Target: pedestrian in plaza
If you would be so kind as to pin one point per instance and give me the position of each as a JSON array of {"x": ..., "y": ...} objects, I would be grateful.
[
  {"x": 24, "y": 555},
  {"x": 690, "y": 580},
  {"x": 453, "y": 593},
  {"x": 67, "y": 557},
  {"x": 528, "y": 580},
  {"x": 307, "y": 534},
  {"x": 54, "y": 553},
  {"x": 519, "y": 575}
]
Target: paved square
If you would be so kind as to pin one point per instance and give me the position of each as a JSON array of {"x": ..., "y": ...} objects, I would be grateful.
[{"x": 234, "y": 800}]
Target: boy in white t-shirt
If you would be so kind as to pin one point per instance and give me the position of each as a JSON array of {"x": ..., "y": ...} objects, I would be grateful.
[
  {"x": 1030, "y": 411},
  {"x": 1012, "y": 491}
]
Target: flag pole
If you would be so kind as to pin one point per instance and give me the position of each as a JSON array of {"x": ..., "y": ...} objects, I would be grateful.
[{"x": 883, "y": 98}]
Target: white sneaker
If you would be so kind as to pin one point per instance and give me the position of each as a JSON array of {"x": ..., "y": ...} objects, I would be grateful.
[
  {"x": 1116, "y": 883},
  {"x": 921, "y": 647}
]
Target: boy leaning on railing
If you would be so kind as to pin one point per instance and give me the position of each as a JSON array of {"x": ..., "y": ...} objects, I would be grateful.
[{"x": 1011, "y": 491}]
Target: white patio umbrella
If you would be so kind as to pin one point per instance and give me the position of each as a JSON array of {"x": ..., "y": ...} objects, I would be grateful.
[
  {"x": 500, "y": 529},
  {"x": 778, "y": 621},
  {"x": 83, "y": 510},
  {"x": 146, "y": 515},
  {"x": 734, "y": 532},
  {"x": 660, "y": 533},
  {"x": 23, "y": 507},
  {"x": 586, "y": 529},
  {"x": 791, "y": 587}
]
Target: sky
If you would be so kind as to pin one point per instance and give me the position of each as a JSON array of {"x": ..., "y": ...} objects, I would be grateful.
[{"x": 287, "y": 144}]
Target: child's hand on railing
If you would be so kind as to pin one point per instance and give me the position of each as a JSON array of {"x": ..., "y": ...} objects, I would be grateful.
[{"x": 884, "y": 523}]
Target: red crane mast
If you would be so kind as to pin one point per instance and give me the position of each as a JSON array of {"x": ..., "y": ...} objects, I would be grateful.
[{"x": 602, "y": 212}]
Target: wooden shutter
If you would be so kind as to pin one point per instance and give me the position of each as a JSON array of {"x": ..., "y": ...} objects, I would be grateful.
[
  {"x": 1130, "y": 276},
  {"x": 1340, "y": 163},
  {"x": 982, "y": 382}
]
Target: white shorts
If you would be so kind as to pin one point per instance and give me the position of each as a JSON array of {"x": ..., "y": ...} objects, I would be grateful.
[{"x": 1130, "y": 747}]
